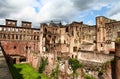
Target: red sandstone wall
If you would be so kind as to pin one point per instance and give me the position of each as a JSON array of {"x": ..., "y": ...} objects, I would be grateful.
[{"x": 19, "y": 47}]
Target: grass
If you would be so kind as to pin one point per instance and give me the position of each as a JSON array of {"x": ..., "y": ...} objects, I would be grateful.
[{"x": 25, "y": 71}]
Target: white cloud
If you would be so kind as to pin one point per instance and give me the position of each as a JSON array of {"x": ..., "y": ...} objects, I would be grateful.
[
  {"x": 56, "y": 10},
  {"x": 2, "y": 21},
  {"x": 114, "y": 9},
  {"x": 18, "y": 9},
  {"x": 114, "y": 12},
  {"x": 68, "y": 9},
  {"x": 28, "y": 13},
  {"x": 116, "y": 16},
  {"x": 90, "y": 22},
  {"x": 45, "y": 10}
]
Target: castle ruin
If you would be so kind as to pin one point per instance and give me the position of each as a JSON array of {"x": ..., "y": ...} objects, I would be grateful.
[{"x": 90, "y": 44}]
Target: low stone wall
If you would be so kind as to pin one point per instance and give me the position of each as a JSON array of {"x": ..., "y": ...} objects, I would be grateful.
[
  {"x": 94, "y": 61},
  {"x": 94, "y": 57}
]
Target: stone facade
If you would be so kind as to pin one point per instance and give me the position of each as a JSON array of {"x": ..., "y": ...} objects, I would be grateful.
[
  {"x": 69, "y": 38},
  {"x": 17, "y": 41},
  {"x": 103, "y": 42}
]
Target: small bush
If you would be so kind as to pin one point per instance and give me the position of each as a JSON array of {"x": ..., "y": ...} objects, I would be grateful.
[{"x": 88, "y": 76}]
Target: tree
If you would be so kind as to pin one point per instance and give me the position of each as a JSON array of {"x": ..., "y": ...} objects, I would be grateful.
[
  {"x": 54, "y": 74},
  {"x": 43, "y": 63},
  {"x": 75, "y": 64}
]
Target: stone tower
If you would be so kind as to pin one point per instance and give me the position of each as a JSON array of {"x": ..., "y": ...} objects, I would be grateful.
[
  {"x": 101, "y": 33},
  {"x": 117, "y": 60}
]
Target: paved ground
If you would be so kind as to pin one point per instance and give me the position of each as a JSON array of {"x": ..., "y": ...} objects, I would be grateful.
[{"x": 4, "y": 70}]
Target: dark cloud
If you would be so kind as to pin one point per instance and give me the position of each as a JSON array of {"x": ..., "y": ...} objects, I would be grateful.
[
  {"x": 6, "y": 9},
  {"x": 83, "y": 5}
]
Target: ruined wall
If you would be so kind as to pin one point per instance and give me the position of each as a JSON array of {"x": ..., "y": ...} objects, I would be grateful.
[
  {"x": 93, "y": 62},
  {"x": 55, "y": 40},
  {"x": 101, "y": 33},
  {"x": 33, "y": 58},
  {"x": 111, "y": 34},
  {"x": 19, "y": 47},
  {"x": 75, "y": 36},
  {"x": 18, "y": 41},
  {"x": 88, "y": 33},
  {"x": 95, "y": 57},
  {"x": 58, "y": 37}
]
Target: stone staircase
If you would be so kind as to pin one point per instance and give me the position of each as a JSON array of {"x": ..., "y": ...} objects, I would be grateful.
[{"x": 4, "y": 70}]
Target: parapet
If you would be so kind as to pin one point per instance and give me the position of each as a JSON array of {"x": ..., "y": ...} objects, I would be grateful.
[
  {"x": 26, "y": 24},
  {"x": 10, "y": 22}
]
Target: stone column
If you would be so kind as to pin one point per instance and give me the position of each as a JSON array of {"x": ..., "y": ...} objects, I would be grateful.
[{"x": 117, "y": 61}]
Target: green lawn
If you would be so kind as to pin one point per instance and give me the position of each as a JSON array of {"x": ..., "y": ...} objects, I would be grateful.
[{"x": 25, "y": 71}]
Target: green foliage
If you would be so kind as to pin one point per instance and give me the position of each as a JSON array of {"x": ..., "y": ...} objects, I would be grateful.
[
  {"x": 75, "y": 64},
  {"x": 42, "y": 65},
  {"x": 103, "y": 67},
  {"x": 25, "y": 71},
  {"x": 117, "y": 40},
  {"x": 106, "y": 64},
  {"x": 54, "y": 73},
  {"x": 101, "y": 71},
  {"x": 88, "y": 76},
  {"x": 58, "y": 58}
]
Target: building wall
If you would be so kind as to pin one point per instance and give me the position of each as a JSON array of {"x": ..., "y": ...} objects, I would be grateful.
[
  {"x": 101, "y": 33},
  {"x": 19, "y": 47},
  {"x": 62, "y": 39},
  {"x": 94, "y": 57},
  {"x": 111, "y": 34},
  {"x": 18, "y": 41}
]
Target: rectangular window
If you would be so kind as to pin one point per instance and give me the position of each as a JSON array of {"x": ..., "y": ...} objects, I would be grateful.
[
  {"x": 74, "y": 49},
  {"x": 101, "y": 45}
]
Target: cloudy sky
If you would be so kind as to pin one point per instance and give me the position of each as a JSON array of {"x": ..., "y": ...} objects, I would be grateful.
[{"x": 39, "y": 11}]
